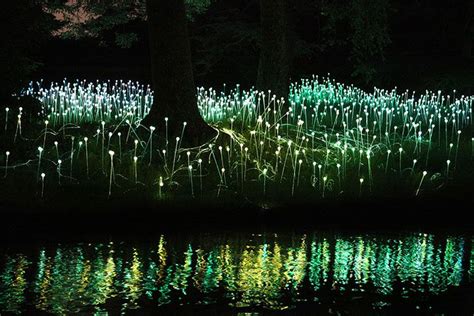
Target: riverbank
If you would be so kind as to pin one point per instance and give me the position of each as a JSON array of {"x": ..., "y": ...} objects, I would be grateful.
[{"x": 120, "y": 217}]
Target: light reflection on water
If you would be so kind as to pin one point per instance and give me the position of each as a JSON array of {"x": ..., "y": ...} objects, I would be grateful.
[{"x": 255, "y": 270}]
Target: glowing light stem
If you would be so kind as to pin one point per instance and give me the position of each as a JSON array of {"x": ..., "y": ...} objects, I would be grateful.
[
  {"x": 174, "y": 157},
  {"x": 160, "y": 188},
  {"x": 277, "y": 158},
  {"x": 457, "y": 149},
  {"x": 360, "y": 162},
  {"x": 59, "y": 171},
  {"x": 339, "y": 175},
  {"x": 120, "y": 145},
  {"x": 231, "y": 139},
  {"x": 135, "y": 148},
  {"x": 79, "y": 150},
  {"x": 429, "y": 146},
  {"x": 42, "y": 184},
  {"x": 413, "y": 166},
  {"x": 165, "y": 159},
  {"x": 7, "y": 155},
  {"x": 320, "y": 167},
  {"x": 200, "y": 174},
  {"x": 229, "y": 158},
  {"x": 45, "y": 133},
  {"x": 264, "y": 181},
  {"x": 182, "y": 131},
  {"x": 299, "y": 172},
  {"x": 246, "y": 149},
  {"x": 18, "y": 127},
  {"x": 448, "y": 162},
  {"x": 64, "y": 125},
  {"x": 324, "y": 184},
  {"x": 400, "y": 150},
  {"x": 6, "y": 118},
  {"x": 97, "y": 135},
  {"x": 111, "y": 154},
  {"x": 57, "y": 149},
  {"x": 326, "y": 161},
  {"x": 421, "y": 181},
  {"x": 294, "y": 176},
  {"x": 369, "y": 170},
  {"x": 40, "y": 154},
  {"x": 223, "y": 178},
  {"x": 72, "y": 155},
  {"x": 190, "y": 169},
  {"x": 152, "y": 128},
  {"x": 446, "y": 133},
  {"x": 129, "y": 129},
  {"x": 166, "y": 133},
  {"x": 135, "y": 158},
  {"x": 216, "y": 164},
  {"x": 222, "y": 156},
  {"x": 87, "y": 156},
  {"x": 103, "y": 143}
]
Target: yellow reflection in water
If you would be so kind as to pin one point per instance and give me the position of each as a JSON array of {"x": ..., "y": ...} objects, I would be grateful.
[{"x": 133, "y": 280}]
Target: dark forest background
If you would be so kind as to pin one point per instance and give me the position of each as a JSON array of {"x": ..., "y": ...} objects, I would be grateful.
[{"x": 411, "y": 44}]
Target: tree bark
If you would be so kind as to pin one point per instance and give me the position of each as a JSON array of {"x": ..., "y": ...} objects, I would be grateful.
[
  {"x": 172, "y": 74},
  {"x": 276, "y": 47}
]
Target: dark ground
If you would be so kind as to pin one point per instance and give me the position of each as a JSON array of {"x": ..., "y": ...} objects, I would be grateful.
[{"x": 119, "y": 218}]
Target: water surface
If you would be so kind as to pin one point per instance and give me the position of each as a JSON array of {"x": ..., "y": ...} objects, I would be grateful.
[{"x": 239, "y": 271}]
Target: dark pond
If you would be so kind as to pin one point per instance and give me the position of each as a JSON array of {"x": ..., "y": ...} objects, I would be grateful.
[{"x": 232, "y": 273}]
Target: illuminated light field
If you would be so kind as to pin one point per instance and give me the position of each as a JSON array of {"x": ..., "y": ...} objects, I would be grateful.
[{"x": 330, "y": 140}]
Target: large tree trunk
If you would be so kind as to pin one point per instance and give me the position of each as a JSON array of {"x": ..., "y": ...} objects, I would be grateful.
[
  {"x": 171, "y": 67},
  {"x": 276, "y": 47}
]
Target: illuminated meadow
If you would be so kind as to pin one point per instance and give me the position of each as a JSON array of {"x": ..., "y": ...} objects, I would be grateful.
[
  {"x": 327, "y": 140},
  {"x": 268, "y": 271}
]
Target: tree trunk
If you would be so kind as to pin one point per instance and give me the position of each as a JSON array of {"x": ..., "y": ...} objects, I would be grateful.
[
  {"x": 276, "y": 47},
  {"x": 172, "y": 74}
]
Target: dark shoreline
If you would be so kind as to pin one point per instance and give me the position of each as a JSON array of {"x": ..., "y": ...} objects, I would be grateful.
[{"x": 121, "y": 218}]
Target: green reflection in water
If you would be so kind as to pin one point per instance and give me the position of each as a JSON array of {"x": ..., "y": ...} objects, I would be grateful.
[
  {"x": 13, "y": 283},
  {"x": 264, "y": 270},
  {"x": 471, "y": 264}
]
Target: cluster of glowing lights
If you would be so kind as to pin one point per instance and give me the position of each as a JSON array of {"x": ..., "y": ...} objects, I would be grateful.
[{"x": 325, "y": 139}]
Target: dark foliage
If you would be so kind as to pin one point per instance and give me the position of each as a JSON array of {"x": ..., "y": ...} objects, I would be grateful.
[{"x": 25, "y": 29}]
